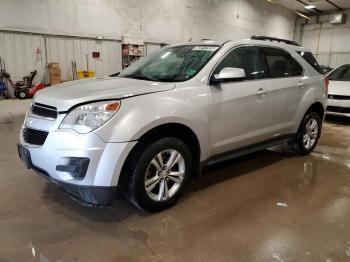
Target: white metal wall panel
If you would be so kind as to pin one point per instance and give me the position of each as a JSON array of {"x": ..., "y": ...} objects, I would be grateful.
[
  {"x": 339, "y": 59},
  {"x": 309, "y": 40},
  {"x": 19, "y": 50},
  {"x": 329, "y": 43},
  {"x": 326, "y": 38},
  {"x": 111, "y": 56},
  {"x": 341, "y": 39},
  {"x": 64, "y": 49},
  {"x": 323, "y": 59},
  {"x": 150, "y": 48}
]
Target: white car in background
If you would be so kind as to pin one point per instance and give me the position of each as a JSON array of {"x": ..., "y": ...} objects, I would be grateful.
[{"x": 339, "y": 91}]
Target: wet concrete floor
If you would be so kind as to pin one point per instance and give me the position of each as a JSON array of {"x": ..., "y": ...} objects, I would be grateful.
[{"x": 268, "y": 206}]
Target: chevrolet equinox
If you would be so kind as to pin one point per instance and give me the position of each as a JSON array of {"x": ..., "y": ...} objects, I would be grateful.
[{"x": 157, "y": 123}]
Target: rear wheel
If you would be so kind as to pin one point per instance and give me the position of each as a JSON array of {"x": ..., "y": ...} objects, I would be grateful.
[
  {"x": 158, "y": 174},
  {"x": 308, "y": 134}
]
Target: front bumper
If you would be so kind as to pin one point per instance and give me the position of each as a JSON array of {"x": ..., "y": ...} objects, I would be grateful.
[
  {"x": 338, "y": 107},
  {"x": 93, "y": 196},
  {"x": 330, "y": 113},
  {"x": 99, "y": 184}
]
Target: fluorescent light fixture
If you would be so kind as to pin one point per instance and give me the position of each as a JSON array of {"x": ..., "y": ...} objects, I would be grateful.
[
  {"x": 302, "y": 15},
  {"x": 309, "y": 7},
  {"x": 286, "y": 7}
]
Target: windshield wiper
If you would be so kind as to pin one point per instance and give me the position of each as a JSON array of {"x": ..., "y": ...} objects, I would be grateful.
[{"x": 141, "y": 77}]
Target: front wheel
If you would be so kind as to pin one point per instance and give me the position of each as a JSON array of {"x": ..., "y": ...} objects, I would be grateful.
[
  {"x": 22, "y": 94},
  {"x": 158, "y": 174},
  {"x": 308, "y": 134}
]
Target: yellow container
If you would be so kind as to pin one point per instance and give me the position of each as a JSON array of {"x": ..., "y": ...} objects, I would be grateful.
[{"x": 85, "y": 74}]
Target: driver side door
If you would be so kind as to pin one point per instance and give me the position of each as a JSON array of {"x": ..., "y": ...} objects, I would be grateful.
[{"x": 239, "y": 111}]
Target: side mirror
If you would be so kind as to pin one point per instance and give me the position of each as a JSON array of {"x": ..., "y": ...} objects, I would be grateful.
[{"x": 229, "y": 74}]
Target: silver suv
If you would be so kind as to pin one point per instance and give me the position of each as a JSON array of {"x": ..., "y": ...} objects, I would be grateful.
[{"x": 155, "y": 125}]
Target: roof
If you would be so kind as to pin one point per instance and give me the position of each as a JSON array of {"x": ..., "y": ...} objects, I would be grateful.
[
  {"x": 267, "y": 42},
  {"x": 208, "y": 42},
  {"x": 270, "y": 43}
]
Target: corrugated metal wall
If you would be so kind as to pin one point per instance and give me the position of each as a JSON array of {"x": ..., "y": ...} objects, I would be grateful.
[
  {"x": 63, "y": 50},
  {"x": 22, "y": 53},
  {"x": 329, "y": 43},
  {"x": 25, "y": 52},
  {"x": 150, "y": 48}
]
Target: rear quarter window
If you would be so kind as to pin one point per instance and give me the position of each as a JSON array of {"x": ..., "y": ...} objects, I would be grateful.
[{"x": 309, "y": 57}]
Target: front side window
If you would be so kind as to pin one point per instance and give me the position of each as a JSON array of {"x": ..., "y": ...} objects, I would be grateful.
[
  {"x": 171, "y": 64},
  {"x": 247, "y": 58},
  {"x": 342, "y": 73},
  {"x": 281, "y": 64}
]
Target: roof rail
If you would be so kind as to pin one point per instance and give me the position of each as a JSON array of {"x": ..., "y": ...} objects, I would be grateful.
[{"x": 266, "y": 38}]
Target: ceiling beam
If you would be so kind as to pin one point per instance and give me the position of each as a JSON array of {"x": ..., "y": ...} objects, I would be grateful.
[
  {"x": 318, "y": 10},
  {"x": 333, "y": 4}
]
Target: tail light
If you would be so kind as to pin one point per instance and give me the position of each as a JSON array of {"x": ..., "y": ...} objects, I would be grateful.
[{"x": 326, "y": 82}]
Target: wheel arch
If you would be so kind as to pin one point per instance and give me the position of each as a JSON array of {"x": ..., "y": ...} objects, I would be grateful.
[
  {"x": 176, "y": 130},
  {"x": 314, "y": 107},
  {"x": 318, "y": 108}
]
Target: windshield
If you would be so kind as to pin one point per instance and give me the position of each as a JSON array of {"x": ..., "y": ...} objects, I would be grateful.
[
  {"x": 342, "y": 73},
  {"x": 171, "y": 64}
]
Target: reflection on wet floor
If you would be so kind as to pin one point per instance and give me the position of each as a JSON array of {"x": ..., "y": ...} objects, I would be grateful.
[{"x": 267, "y": 206}]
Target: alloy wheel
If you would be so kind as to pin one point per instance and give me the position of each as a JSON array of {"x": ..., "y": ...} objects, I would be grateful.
[
  {"x": 310, "y": 133},
  {"x": 165, "y": 175}
]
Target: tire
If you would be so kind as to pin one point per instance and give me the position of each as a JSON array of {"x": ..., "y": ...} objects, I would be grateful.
[
  {"x": 22, "y": 94},
  {"x": 145, "y": 170},
  {"x": 16, "y": 93},
  {"x": 307, "y": 137}
]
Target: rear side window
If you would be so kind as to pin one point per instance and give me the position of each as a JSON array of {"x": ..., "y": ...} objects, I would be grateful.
[
  {"x": 248, "y": 58},
  {"x": 342, "y": 73},
  {"x": 281, "y": 64},
  {"x": 308, "y": 56}
]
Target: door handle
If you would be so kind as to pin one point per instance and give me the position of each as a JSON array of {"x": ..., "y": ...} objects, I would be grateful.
[
  {"x": 261, "y": 92},
  {"x": 301, "y": 85}
]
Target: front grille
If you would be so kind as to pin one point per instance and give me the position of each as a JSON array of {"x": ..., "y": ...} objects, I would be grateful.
[
  {"x": 338, "y": 97},
  {"x": 44, "y": 110},
  {"x": 34, "y": 137},
  {"x": 338, "y": 109}
]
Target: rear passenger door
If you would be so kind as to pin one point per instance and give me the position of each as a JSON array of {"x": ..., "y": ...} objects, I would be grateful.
[{"x": 286, "y": 78}]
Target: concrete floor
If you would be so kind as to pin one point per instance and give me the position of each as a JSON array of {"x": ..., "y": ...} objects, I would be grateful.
[{"x": 230, "y": 214}]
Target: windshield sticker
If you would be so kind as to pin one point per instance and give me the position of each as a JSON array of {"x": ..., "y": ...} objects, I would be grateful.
[
  {"x": 205, "y": 48},
  {"x": 191, "y": 72}
]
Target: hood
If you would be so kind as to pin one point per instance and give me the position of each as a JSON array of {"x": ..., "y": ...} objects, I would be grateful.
[
  {"x": 339, "y": 88},
  {"x": 66, "y": 95}
]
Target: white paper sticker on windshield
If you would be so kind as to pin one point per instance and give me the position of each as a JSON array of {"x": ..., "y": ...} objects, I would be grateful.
[{"x": 205, "y": 48}]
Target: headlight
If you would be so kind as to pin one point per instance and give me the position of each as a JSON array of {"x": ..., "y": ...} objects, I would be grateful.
[{"x": 88, "y": 117}]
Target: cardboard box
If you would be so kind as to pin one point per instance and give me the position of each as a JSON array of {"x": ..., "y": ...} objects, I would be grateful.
[
  {"x": 53, "y": 65},
  {"x": 54, "y": 73},
  {"x": 55, "y": 82}
]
